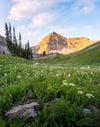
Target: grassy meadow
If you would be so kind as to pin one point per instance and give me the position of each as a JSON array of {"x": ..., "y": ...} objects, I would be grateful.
[{"x": 75, "y": 84}]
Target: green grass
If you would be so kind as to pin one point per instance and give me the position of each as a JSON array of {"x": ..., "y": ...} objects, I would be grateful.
[
  {"x": 89, "y": 55},
  {"x": 45, "y": 83}
]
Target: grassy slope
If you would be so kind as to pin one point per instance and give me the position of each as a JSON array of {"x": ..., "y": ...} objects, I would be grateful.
[
  {"x": 89, "y": 55},
  {"x": 44, "y": 83}
]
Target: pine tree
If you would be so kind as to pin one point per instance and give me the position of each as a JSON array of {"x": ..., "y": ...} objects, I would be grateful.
[
  {"x": 15, "y": 51},
  {"x": 20, "y": 45},
  {"x": 7, "y": 35},
  {"x": 10, "y": 38}
]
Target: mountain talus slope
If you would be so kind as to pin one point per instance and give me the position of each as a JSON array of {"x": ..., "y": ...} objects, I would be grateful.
[{"x": 54, "y": 43}]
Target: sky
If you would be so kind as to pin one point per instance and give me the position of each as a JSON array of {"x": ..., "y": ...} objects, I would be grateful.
[{"x": 35, "y": 19}]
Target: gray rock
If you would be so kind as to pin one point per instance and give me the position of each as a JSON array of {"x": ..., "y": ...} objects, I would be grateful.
[
  {"x": 94, "y": 109},
  {"x": 86, "y": 112},
  {"x": 22, "y": 110},
  {"x": 51, "y": 102}
]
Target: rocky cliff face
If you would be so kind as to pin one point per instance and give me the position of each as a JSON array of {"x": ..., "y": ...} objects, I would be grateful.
[
  {"x": 54, "y": 43},
  {"x": 3, "y": 45}
]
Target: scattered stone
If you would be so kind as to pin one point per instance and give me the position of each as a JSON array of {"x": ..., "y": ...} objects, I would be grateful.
[
  {"x": 89, "y": 112},
  {"x": 94, "y": 109},
  {"x": 36, "y": 64},
  {"x": 86, "y": 112},
  {"x": 52, "y": 102},
  {"x": 22, "y": 110}
]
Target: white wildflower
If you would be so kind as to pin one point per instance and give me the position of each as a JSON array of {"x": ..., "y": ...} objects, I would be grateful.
[
  {"x": 89, "y": 95},
  {"x": 71, "y": 84},
  {"x": 65, "y": 84},
  {"x": 27, "y": 73},
  {"x": 57, "y": 74},
  {"x": 88, "y": 67},
  {"x": 5, "y": 74},
  {"x": 69, "y": 75},
  {"x": 80, "y": 92},
  {"x": 91, "y": 73}
]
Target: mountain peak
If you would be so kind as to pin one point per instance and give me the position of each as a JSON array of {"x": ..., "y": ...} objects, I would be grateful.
[
  {"x": 54, "y": 42},
  {"x": 53, "y": 32}
]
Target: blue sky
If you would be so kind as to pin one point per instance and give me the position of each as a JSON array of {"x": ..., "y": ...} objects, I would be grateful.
[{"x": 34, "y": 19}]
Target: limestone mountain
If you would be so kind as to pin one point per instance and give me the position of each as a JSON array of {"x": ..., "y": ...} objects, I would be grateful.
[
  {"x": 54, "y": 43},
  {"x": 3, "y": 45}
]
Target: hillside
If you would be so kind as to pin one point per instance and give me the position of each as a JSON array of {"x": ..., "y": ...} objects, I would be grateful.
[
  {"x": 55, "y": 43},
  {"x": 88, "y": 55}
]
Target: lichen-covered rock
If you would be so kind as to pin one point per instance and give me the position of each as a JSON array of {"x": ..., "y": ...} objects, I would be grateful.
[{"x": 22, "y": 110}]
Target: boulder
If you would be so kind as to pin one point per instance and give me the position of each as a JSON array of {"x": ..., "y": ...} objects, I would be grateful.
[
  {"x": 90, "y": 111},
  {"x": 22, "y": 110},
  {"x": 86, "y": 112}
]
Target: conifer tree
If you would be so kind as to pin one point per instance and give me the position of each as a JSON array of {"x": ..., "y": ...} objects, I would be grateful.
[
  {"x": 10, "y": 38},
  {"x": 20, "y": 45},
  {"x": 7, "y": 35}
]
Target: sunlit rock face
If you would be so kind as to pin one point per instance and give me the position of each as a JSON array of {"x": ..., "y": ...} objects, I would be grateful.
[{"x": 55, "y": 43}]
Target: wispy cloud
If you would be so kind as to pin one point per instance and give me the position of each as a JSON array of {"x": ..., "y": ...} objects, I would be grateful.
[{"x": 84, "y": 6}]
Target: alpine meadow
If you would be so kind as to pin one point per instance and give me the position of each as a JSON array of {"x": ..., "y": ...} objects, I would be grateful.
[{"x": 50, "y": 63}]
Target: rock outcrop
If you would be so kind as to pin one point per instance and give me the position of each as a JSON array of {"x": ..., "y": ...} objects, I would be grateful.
[
  {"x": 54, "y": 43},
  {"x": 3, "y": 45}
]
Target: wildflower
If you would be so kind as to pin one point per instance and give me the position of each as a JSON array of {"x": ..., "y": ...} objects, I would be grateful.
[
  {"x": 69, "y": 75},
  {"x": 71, "y": 84},
  {"x": 91, "y": 73},
  {"x": 80, "y": 92},
  {"x": 89, "y": 95},
  {"x": 5, "y": 74},
  {"x": 57, "y": 74},
  {"x": 65, "y": 84},
  {"x": 27, "y": 73},
  {"x": 88, "y": 67}
]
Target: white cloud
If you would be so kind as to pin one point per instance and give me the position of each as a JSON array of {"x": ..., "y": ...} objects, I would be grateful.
[
  {"x": 89, "y": 26},
  {"x": 23, "y": 9},
  {"x": 21, "y": 28},
  {"x": 42, "y": 19}
]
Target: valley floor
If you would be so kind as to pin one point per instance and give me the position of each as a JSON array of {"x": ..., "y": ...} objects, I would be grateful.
[{"x": 76, "y": 86}]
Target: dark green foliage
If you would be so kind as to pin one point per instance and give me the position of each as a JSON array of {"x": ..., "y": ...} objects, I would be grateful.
[
  {"x": 15, "y": 48},
  {"x": 44, "y": 53}
]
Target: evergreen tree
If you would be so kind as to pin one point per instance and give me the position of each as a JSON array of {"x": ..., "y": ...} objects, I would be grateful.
[
  {"x": 10, "y": 38},
  {"x": 20, "y": 45},
  {"x": 15, "y": 49},
  {"x": 7, "y": 35}
]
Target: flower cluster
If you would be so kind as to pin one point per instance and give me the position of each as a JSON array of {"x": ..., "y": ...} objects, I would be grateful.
[{"x": 89, "y": 95}]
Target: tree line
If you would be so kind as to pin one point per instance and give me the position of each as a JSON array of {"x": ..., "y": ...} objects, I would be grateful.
[{"x": 15, "y": 46}]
